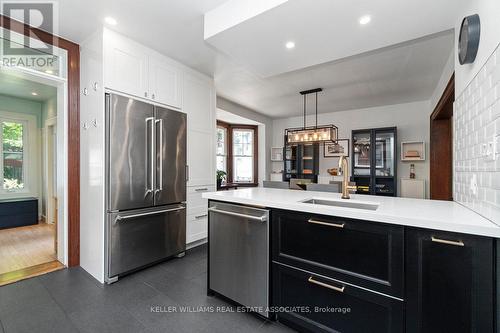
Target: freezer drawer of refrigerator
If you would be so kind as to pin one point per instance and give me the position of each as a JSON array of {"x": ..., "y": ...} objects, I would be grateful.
[{"x": 142, "y": 237}]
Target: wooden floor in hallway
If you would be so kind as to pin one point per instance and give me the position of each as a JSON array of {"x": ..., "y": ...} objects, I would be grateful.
[{"x": 25, "y": 247}]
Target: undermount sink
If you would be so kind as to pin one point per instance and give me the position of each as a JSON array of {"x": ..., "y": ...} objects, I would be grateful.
[{"x": 343, "y": 203}]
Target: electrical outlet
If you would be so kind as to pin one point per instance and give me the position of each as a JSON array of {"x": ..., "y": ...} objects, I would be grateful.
[
  {"x": 497, "y": 145},
  {"x": 473, "y": 185},
  {"x": 490, "y": 151}
]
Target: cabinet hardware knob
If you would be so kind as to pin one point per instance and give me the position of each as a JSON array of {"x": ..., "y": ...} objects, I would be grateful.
[
  {"x": 201, "y": 189},
  {"x": 153, "y": 96},
  {"x": 449, "y": 242},
  {"x": 335, "y": 225},
  {"x": 95, "y": 86},
  {"x": 146, "y": 94},
  {"x": 200, "y": 216},
  {"x": 326, "y": 285},
  {"x": 85, "y": 91}
]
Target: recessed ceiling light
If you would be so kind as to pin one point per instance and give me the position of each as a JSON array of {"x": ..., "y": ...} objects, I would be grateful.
[
  {"x": 48, "y": 71},
  {"x": 34, "y": 93},
  {"x": 365, "y": 19},
  {"x": 290, "y": 45},
  {"x": 110, "y": 20}
]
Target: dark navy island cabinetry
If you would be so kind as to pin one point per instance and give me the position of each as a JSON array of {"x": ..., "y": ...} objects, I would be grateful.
[
  {"x": 18, "y": 212},
  {"x": 362, "y": 276}
]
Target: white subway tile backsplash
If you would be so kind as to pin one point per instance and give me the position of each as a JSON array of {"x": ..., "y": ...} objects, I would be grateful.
[{"x": 477, "y": 122}]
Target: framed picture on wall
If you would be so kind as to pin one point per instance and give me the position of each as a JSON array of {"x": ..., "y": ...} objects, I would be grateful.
[{"x": 336, "y": 148}]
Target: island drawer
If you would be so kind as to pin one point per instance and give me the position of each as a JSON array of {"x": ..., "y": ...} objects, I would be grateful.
[
  {"x": 367, "y": 254},
  {"x": 312, "y": 303}
]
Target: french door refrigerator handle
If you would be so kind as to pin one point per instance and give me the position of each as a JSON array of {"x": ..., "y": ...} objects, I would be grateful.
[
  {"x": 151, "y": 150},
  {"x": 127, "y": 217},
  {"x": 160, "y": 121}
]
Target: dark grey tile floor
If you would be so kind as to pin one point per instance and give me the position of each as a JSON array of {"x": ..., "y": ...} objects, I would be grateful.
[{"x": 72, "y": 301}]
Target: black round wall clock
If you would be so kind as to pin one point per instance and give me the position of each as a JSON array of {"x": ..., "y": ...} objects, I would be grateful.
[{"x": 468, "y": 41}]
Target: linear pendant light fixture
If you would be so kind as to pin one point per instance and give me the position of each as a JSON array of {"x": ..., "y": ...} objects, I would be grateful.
[{"x": 311, "y": 134}]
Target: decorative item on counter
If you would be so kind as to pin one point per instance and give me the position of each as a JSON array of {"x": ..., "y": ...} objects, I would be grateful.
[
  {"x": 336, "y": 148},
  {"x": 412, "y": 154},
  {"x": 221, "y": 175},
  {"x": 333, "y": 171},
  {"x": 412, "y": 171}
]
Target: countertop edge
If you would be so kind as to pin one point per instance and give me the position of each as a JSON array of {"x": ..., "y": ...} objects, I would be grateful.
[{"x": 488, "y": 230}]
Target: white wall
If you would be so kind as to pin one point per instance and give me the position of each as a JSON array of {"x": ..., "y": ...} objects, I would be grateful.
[
  {"x": 489, "y": 13},
  {"x": 448, "y": 70},
  {"x": 411, "y": 119},
  {"x": 477, "y": 117},
  {"x": 265, "y": 131},
  {"x": 92, "y": 157},
  {"x": 49, "y": 111}
]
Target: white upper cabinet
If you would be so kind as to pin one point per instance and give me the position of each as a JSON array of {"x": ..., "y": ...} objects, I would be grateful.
[
  {"x": 165, "y": 81},
  {"x": 134, "y": 69},
  {"x": 199, "y": 102},
  {"x": 126, "y": 65}
]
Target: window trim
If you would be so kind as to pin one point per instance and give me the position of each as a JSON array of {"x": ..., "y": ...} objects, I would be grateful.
[
  {"x": 229, "y": 147},
  {"x": 30, "y": 151},
  {"x": 226, "y": 141}
]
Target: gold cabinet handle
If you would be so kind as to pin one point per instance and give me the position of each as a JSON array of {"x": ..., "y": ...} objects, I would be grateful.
[
  {"x": 335, "y": 225},
  {"x": 449, "y": 242},
  {"x": 326, "y": 285}
]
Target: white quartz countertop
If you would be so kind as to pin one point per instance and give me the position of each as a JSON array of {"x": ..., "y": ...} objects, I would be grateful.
[{"x": 429, "y": 214}]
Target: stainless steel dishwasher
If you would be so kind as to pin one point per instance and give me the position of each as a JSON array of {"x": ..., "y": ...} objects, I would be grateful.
[{"x": 239, "y": 254}]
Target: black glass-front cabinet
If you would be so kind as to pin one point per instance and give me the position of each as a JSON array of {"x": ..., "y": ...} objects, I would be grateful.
[
  {"x": 301, "y": 161},
  {"x": 374, "y": 164}
]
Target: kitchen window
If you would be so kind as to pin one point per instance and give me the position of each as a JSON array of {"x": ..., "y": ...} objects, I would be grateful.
[
  {"x": 13, "y": 136},
  {"x": 222, "y": 148},
  {"x": 237, "y": 152}
]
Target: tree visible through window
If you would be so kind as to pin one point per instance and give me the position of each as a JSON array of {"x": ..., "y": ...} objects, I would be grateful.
[{"x": 12, "y": 155}]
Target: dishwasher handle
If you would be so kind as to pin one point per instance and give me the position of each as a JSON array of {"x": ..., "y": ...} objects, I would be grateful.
[{"x": 246, "y": 216}]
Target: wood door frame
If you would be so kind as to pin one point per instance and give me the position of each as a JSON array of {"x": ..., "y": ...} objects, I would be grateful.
[
  {"x": 73, "y": 158},
  {"x": 441, "y": 125}
]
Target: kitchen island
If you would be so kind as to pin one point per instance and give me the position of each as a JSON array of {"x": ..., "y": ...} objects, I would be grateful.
[{"x": 371, "y": 264}]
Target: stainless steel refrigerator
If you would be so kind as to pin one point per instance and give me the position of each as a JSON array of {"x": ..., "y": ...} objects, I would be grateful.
[{"x": 146, "y": 185}]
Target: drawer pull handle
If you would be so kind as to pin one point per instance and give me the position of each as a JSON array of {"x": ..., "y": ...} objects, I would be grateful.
[
  {"x": 200, "y": 216},
  {"x": 449, "y": 242},
  {"x": 201, "y": 189},
  {"x": 335, "y": 225},
  {"x": 326, "y": 285}
]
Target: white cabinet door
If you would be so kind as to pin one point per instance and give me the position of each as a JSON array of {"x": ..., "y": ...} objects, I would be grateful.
[
  {"x": 125, "y": 65},
  {"x": 199, "y": 104},
  {"x": 165, "y": 82},
  {"x": 201, "y": 157}
]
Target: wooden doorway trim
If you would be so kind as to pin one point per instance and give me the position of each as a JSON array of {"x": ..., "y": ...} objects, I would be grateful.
[
  {"x": 441, "y": 145},
  {"x": 73, "y": 158}
]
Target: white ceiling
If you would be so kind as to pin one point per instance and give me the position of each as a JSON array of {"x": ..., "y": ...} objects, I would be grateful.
[
  {"x": 399, "y": 74},
  {"x": 16, "y": 86},
  {"x": 232, "y": 118},
  {"x": 175, "y": 28},
  {"x": 323, "y": 30}
]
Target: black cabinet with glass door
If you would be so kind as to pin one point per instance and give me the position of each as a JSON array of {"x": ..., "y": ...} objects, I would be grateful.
[
  {"x": 374, "y": 167},
  {"x": 301, "y": 161}
]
